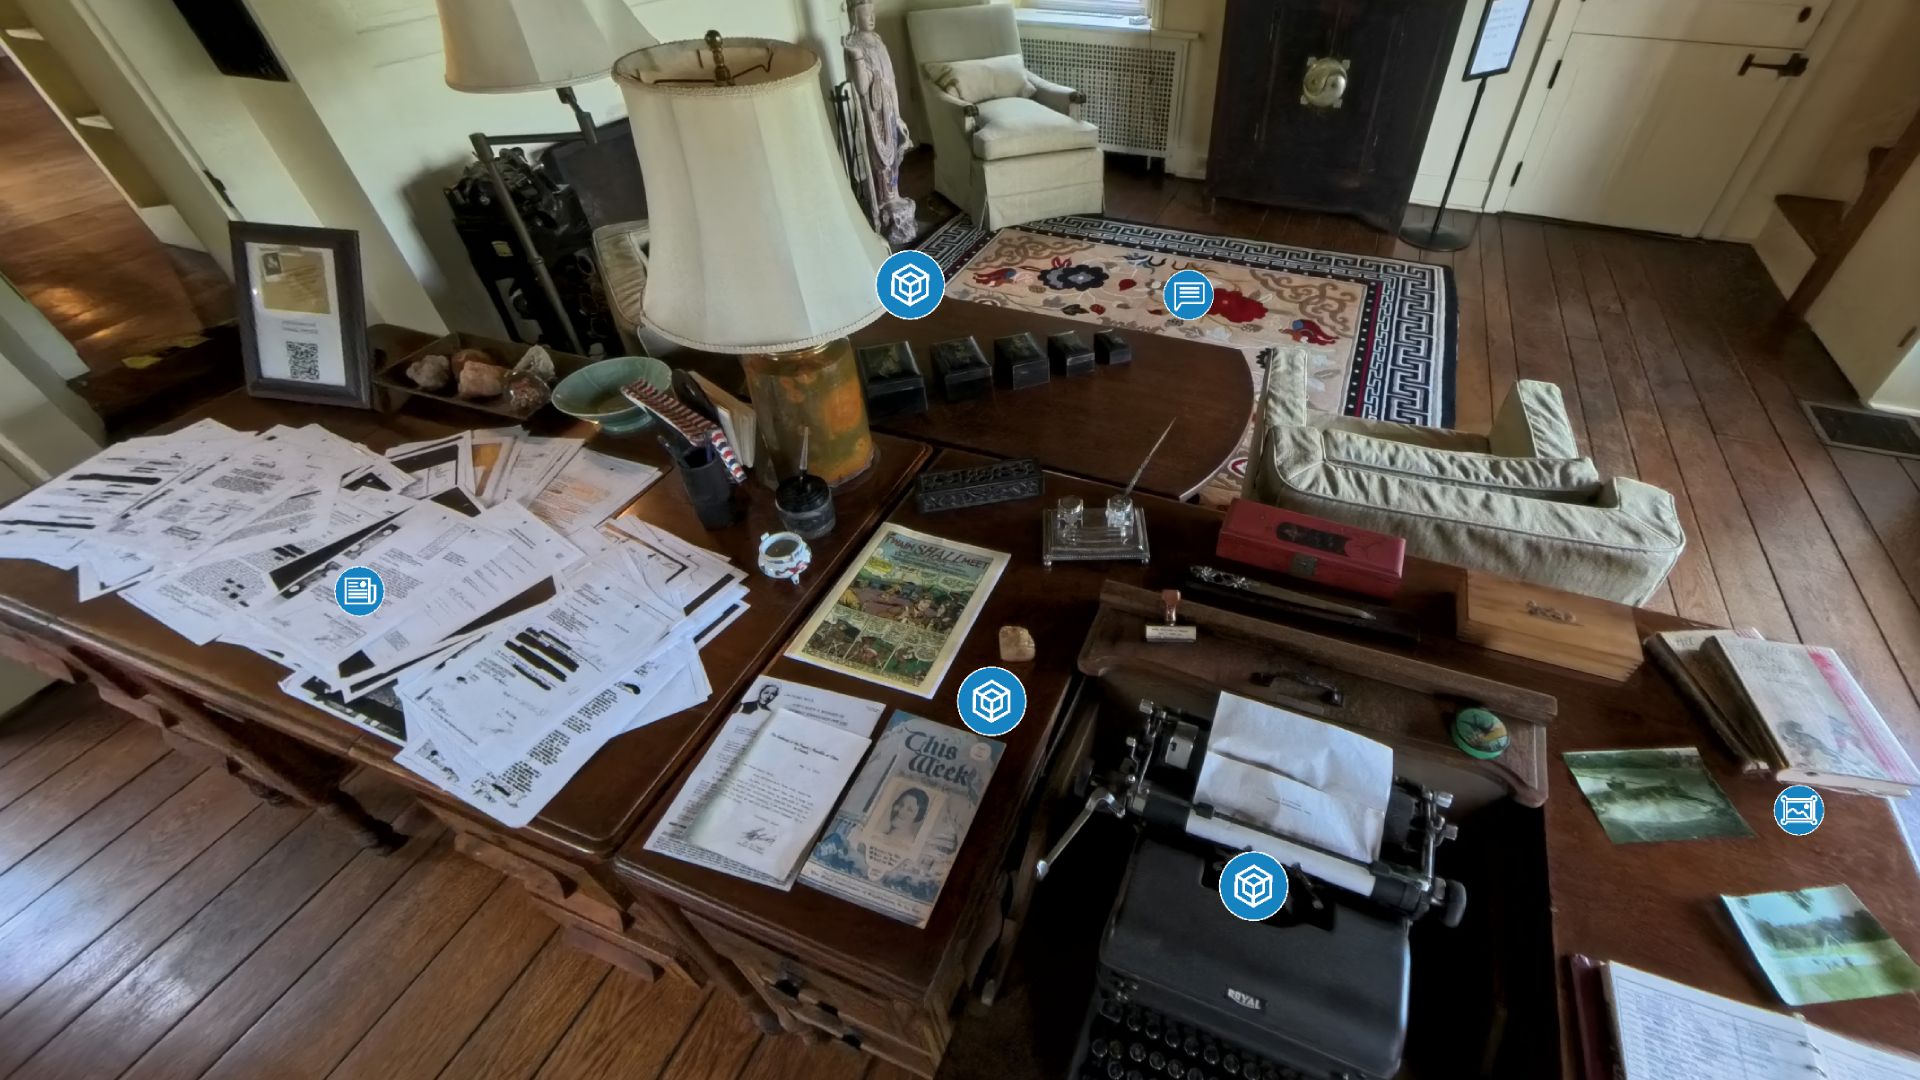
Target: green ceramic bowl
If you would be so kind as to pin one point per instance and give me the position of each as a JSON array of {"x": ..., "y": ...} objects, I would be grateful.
[{"x": 593, "y": 392}]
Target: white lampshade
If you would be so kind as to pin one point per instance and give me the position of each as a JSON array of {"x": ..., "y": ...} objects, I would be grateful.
[
  {"x": 497, "y": 46},
  {"x": 758, "y": 244}
]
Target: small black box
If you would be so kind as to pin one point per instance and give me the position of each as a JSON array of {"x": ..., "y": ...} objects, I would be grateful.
[
  {"x": 1070, "y": 355},
  {"x": 962, "y": 369},
  {"x": 1018, "y": 362},
  {"x": 1111, "y": 348},
  {"x": 891, "y": 382}
]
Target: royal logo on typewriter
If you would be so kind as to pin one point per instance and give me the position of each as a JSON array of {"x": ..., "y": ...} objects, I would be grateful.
[{"x": 1245, "y": 1000}]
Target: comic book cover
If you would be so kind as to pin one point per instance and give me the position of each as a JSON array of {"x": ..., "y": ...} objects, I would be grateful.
[
  {"x": 900, "y": 612},
  {"x": 893, "y": 838}
]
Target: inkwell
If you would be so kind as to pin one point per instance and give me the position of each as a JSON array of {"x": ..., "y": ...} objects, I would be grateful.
[{"x": 804, "y": 500}]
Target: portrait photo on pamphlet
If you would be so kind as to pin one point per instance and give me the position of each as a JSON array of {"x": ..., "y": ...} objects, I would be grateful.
[{"x": 302, "y": 313}]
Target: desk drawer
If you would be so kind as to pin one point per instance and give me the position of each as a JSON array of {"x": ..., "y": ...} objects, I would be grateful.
[{"x": 830, "y": 1003}]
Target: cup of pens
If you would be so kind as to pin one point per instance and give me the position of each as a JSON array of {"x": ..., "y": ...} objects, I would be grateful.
[{"x": 709, "y": 485}]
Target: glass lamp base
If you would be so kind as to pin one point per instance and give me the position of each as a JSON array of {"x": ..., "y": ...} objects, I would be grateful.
[{"x": 814, "y": 393}]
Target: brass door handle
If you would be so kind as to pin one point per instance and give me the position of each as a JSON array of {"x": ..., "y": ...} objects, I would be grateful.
[{"x": 1325, "y": 83}]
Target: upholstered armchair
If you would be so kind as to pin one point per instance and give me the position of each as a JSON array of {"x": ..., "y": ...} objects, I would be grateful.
[
  {"x": 1009, "y": 146},
  {"x": 1519, "y": 502}
]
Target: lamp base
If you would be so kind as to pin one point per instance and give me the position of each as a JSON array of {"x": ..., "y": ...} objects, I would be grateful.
[{"x": 813, "y": 393}]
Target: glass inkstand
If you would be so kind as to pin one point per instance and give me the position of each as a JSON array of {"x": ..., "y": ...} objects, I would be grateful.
[{"x": 1072, "y": 534}]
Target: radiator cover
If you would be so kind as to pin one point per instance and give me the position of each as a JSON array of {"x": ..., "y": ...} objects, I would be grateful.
[{"x": 1133, "y": 82}]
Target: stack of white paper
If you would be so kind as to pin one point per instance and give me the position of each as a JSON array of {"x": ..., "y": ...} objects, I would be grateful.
[
  {"x": 517, "y": 633},
  {"x": 759, "y": 797}
]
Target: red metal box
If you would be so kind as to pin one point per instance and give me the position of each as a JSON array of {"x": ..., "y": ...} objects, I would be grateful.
[{"x": 1319, "y": 550}]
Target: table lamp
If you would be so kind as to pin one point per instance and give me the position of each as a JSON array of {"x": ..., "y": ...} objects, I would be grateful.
[
  {"x": 507, "y": 46},
  {"x": 758, "y": 246}
]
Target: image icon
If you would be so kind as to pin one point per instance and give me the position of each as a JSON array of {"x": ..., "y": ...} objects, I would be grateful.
[
  {"x": 910, "y": 284},
  {"x": 1799, "y": 810},
  {"x": 991, "y": 701},
  {"x": 1188, "y": 295},
  {"x": 359, "y": 590},
  {"x": 1253, "y": 886}
]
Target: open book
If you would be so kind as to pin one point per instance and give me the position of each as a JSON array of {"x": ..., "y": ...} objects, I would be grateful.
[
  {"x": 1297, "y": 778},
  {"x": 1666, "y": 1030},
  {"x": 1817, "y": 720}
]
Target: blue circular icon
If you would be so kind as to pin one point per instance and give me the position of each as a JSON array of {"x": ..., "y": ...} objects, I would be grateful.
[
  {"x": 1188, "y": 295},
  {"x": 1799, "y": 810},
  {"x": 992, "y": 701},
  {"x": 910, "y": 284},
  {"x": 1253, "y": 886},
  {"x": 359, "y": 590}
]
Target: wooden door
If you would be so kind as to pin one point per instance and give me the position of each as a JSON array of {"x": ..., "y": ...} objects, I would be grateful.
[
  {"x": 1359, "y": 157},
  {"x": 1643, "y": 133}
]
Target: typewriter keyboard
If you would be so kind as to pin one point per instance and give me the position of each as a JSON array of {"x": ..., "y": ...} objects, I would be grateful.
[{"x": 1128, "y": 1042}]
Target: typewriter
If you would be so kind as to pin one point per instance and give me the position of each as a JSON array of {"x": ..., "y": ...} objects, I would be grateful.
[{"x": 1187, "y": 991}]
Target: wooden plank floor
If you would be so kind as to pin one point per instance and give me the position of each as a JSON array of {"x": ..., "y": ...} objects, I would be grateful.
[{"x": 156, "y": 922}]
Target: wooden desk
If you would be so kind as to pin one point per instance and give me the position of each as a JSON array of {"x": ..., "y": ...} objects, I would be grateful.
[
  {"x": 141, "y": 665},
  {"x": 823, "y": 964},
  {"x": 1095, "y": 426}
]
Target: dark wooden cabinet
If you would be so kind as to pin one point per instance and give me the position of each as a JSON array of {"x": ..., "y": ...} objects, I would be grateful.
[{"x": 1359, "y": 156}]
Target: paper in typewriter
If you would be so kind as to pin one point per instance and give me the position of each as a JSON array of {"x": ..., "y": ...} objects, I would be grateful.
[{"x": 1297, "y": 778}]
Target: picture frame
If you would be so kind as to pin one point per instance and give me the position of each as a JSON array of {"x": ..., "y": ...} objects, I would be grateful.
[
  {"x": 1493, "y": 53},
  {"x": 303, "y": 314}
]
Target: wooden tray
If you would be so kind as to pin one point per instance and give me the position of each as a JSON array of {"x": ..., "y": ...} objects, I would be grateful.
[
  {"x": 393, "y": 375},
  {"x": 1403, "y": 702}
]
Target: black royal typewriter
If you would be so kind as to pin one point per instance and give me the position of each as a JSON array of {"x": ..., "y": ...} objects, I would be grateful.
[{"x": 1187, "y": 991}]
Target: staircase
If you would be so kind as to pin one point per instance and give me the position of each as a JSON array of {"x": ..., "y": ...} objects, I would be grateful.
[{"x": 1806, "y": 239}]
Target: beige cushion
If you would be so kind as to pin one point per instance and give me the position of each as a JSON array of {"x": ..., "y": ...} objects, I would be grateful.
[
  {"x": 1020, "y": 127},
  {"x": 982, "y": 80},
  {"x": 1620, "y": 546},
  {"x": 1566, "y": 479}
]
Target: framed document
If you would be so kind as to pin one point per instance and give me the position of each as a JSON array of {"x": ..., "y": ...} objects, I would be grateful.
[
  {"x": 1498, "y": 38},
  {"x": 303, "y": 323}
]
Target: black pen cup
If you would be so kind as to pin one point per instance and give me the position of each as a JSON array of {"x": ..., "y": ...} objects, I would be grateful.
[{"x": 709, "y": 487}]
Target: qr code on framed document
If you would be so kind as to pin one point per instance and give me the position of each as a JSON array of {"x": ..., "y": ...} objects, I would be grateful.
[{"x": 303, "y": 361}]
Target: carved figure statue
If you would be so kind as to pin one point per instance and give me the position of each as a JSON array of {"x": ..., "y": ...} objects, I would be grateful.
[{"x": 871, "y": 70}]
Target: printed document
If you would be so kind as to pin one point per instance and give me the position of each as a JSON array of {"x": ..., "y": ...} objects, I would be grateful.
[{"x": 774, "y": 800}]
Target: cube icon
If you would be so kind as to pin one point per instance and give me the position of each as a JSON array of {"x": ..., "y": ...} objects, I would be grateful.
[
  {"x": 992, "y": 701},
  {"x": 1253, "y": 886},
  {"x": 910, "y": 285}
]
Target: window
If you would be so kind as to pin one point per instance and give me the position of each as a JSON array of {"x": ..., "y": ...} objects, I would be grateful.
[{"x": 1135, "y": 11}]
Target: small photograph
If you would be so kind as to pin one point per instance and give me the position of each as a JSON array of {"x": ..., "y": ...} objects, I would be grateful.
[
  {"x": 1643, "y": 796},
  {"x": 901, "y": 820},
  {"x": 1818, "y": 945}
]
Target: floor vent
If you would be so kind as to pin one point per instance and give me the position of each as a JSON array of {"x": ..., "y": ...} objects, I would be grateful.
[{"x": 1864, "y": 429}]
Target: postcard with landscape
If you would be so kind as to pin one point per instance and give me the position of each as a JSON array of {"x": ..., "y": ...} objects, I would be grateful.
[
  {"x": 1641, "y": 796},
  {"x": 1820, "y": 945},
  {"x": 899, "y": 613}
]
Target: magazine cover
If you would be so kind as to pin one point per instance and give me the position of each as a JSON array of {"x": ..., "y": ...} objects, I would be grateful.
[
  {"x": 900, "y": 612},
  {"x": 893, "y": 838},
  {"x": 1819, "y": 945}
]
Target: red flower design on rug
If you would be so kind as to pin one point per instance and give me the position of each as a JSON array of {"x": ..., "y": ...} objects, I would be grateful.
[
  {"x": 1309, "y": 331},
  {"x": 1236, "y": 306}
]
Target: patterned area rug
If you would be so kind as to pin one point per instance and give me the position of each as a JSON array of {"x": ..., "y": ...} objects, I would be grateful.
[{"x": 1381, "y": 331}]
